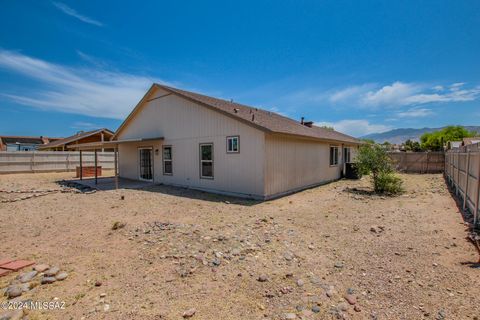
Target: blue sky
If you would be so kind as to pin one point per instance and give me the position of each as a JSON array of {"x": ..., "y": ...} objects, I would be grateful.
[{"x": 361, "y": 66}]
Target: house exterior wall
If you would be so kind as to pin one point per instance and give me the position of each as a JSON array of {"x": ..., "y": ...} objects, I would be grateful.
[
  {"x": 184, "y": 125},
  {"x": 292, "y": 164}
]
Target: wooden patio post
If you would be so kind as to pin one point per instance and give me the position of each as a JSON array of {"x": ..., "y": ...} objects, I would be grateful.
[
  {"x": 96, "y": 175},
  {"x": 115, "y": 151},
  {"x": 81, "y": 168},
  {"x": 465, "y": 193}
]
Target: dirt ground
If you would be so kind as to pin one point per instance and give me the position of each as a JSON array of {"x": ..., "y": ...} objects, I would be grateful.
[{"x": 404, "y": 257}]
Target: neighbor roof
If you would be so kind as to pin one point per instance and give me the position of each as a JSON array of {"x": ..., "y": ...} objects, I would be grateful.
[
  {"x": 74, "y": 138},
  {"x": 471, "y": 140},
  {"x": 26, "y": 140},
  {"x": 262, "y": 119}
]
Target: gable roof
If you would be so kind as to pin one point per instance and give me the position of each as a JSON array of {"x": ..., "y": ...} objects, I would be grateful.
[
  {"x": 74, "y": 138},
  {"x": 261, "y": 119}
]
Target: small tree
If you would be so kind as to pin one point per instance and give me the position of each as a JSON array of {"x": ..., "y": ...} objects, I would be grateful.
[
  {"x": 412, "y": 146},
  {"x": 373, "y": 159},
  {"x": 435, "y": 141}
]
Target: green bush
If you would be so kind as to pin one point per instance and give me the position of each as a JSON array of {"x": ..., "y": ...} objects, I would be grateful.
[
  {"x": 388, "y": 183},
  {"x": 373, "y": 159}
]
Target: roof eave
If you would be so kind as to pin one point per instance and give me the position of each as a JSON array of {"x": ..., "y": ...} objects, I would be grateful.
[{"x": 325, "y": 140}]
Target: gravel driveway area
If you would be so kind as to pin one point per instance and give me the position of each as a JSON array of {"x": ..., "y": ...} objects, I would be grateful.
[{"x": 331, "y": 252}]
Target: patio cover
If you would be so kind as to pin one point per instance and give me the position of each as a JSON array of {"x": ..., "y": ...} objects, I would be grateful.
[
  {"x": 103, "y": 144},
  {"x": 106, "y": 144}
]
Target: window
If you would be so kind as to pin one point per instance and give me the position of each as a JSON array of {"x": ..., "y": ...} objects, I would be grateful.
[
  {"x": 233, "y": 144},
  {"x": 333, "y": 155},
  {"x": 167, "y": 160},
  {"x": 206, "y": 160},
  {"x": 347, "y": 155}
]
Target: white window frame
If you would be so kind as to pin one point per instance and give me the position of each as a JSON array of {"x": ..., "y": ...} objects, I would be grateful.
[
  {"x": 206, "y": 161},
  {"x": 238, "y": 144},
  {"x": 335, "y": 156},
  {"x": 167, "y": 160}
]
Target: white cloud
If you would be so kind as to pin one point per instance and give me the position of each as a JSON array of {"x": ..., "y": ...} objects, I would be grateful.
[
  {"x": 456, "y": 86},
  {"x": 400, "y": 94},
  {"x": 415, "y": 113},
  {"x": 356, "y": 128},
  {"x": 394, "y": 94},
  {"x": 85, "y": 125},
  {"x": 348, "y": 93},
  {"x": 75, "y": 90},
  {"x": 91, "y": 60},
  {"x": 72, "y": 12}
]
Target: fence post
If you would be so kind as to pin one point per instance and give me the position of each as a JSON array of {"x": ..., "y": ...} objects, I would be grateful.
[
  {"x": 465, "y": 193},
  {"x": 475, "y": 213},
  {"x": 426, "y": 171}
]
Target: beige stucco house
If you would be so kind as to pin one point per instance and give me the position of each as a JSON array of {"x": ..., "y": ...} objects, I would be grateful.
[{"x": 181, "y": 138}]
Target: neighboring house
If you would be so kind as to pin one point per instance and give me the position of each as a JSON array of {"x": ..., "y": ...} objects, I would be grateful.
[
  {"x": 454, "y": 144},
  {"x": 98, "y": 135},
  {"x": 181, "y": 138},
  {"x": 19, "y": 143},
  {"x": 471, "y": 140}
]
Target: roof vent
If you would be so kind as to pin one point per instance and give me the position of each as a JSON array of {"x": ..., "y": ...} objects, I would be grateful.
[
  {"x": 235, "y": 110},
  {"x": 308, "y": 123},
  {"x": 253, "y": 117},
  {"x": 301, "y": 120}
]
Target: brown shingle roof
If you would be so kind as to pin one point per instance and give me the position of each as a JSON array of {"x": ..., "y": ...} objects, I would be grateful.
[
  {"x": 73, "y": 138},
  {"x": 266, "y": 120}
]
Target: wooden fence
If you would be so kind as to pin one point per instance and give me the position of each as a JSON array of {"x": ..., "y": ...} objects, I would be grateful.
[
  {"x": 50, "y": 161},
  {"x": 462, "y": 171},
  {"x": 419, "y": 162}
]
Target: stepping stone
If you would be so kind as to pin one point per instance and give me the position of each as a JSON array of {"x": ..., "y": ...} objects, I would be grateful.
[
  {"x": 61, "y": 276},
  {"x": 41, "y": 267},
  {"x": 52, "y": 271},
  {"x": 26, "y": 277},
  {"x": 5, "y": 261},
  {"x": 47, "y": 280},
  {"x": 4, "y": 272},
  {"x": 17, "y": 265},
  {"x": 13, "y": 291}
]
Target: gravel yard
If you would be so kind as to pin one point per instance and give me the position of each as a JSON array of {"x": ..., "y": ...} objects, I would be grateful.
[{"x": 168, "y": 253}]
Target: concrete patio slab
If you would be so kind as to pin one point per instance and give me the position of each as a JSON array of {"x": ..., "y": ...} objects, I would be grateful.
[{"x": 108, "y": 183}]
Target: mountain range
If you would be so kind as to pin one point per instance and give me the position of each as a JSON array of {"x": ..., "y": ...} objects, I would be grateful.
[{"x": 398, "y": 136}]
